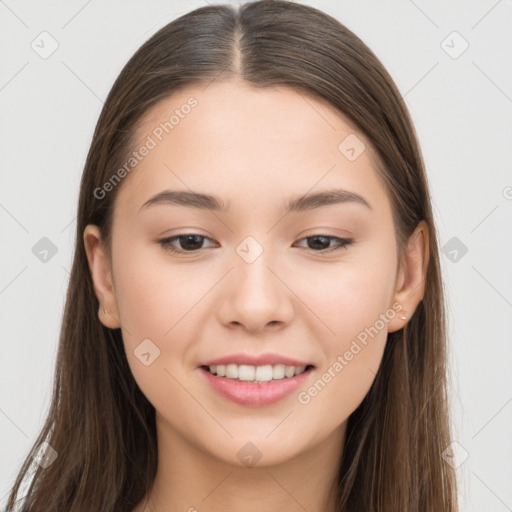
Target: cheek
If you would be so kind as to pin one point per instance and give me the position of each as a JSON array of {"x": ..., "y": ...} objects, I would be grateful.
[
  {"x": 349, "y": 295},
  {"x": 152, "y": 293},
  {"x": 159, "y": 300},
  {"x": 151, "y": 297},
  {"x": 352, "y": 355},
  {"x": 154, "y": 298},
  {"x": 353, "y": 301}
]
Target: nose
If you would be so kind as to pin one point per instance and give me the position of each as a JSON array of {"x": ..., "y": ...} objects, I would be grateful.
[{"x": 257, "y": 295}]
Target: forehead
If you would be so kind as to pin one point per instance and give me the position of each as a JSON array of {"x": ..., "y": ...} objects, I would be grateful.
[
  {"x": 239, "y": 141},
  {"x": 268, "y": 115}
]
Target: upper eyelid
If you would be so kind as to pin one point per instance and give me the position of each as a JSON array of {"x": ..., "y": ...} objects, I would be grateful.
[{"x": 165, "y": 239}]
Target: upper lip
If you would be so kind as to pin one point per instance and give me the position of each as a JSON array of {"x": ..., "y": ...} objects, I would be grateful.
[{"x": 259, "y": 360}]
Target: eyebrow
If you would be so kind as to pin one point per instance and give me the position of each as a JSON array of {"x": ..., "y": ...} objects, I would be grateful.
[{"x": 296, "y": 204}]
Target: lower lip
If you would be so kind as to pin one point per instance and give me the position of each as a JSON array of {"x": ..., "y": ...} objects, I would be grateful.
[{"x": 257, "y": 395}]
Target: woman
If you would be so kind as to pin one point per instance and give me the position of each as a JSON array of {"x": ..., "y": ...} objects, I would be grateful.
[{"x": 255, "y": 315}]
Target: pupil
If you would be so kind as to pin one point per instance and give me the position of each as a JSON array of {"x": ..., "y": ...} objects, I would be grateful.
[
  {"x": 322, "y": 246},
  {"x": 189, "y": 238}
]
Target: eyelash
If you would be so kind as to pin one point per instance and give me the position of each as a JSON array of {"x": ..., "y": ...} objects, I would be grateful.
[{"x": 342, "y": 243}]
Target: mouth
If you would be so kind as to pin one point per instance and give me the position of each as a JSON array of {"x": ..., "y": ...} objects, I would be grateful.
[
  {"x": 267, "y": 381},
  {"x": 256, "y": 374}
]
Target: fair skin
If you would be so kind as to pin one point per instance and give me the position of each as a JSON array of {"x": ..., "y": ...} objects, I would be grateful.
[{"x": 256, "y": 149}]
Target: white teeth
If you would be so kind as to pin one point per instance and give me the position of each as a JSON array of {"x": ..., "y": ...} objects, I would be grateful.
[
  {"x": 232, "y": 371},
  {"x": 263, "y": 373},
  {"x": 246, "y": 372},
  {"x": 278, "y": 371},
  {"x": 250, "y": 373},
  {"x": 299, "y": 370},
  {"x": 289, "y": 371}
]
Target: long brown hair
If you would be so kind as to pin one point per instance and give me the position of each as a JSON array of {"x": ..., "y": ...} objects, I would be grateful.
[{"x": 100, "y": 424}]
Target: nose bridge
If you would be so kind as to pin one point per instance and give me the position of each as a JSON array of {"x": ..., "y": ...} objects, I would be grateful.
[
  {"x": 258, "y": 296},
  {"x": 253, "y": 268}
]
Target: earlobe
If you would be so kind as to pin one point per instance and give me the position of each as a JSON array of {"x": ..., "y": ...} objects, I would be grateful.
[
  {"x": 101, "y": 274},
  {"x": 411, "y": 276}
]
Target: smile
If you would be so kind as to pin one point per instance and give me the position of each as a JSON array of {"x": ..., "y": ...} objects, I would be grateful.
[
  {"x": 267, "y": 381},
  {"x": 255, "y": 374}
]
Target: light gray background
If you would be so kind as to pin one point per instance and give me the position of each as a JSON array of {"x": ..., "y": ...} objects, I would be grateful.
[{"x": 462, "y": 110}]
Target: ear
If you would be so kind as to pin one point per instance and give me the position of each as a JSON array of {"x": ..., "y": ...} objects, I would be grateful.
[
  {"x": 411, "y": 276},
  {"x": 101, "y": 273}
]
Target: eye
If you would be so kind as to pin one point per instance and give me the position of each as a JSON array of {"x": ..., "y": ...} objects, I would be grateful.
[
  {"x": 322, "y": 242},
  {"x": 191, "y": 242}
]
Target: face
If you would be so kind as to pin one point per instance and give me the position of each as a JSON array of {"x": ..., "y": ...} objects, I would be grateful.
[{"x": 253, "y": 285}]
